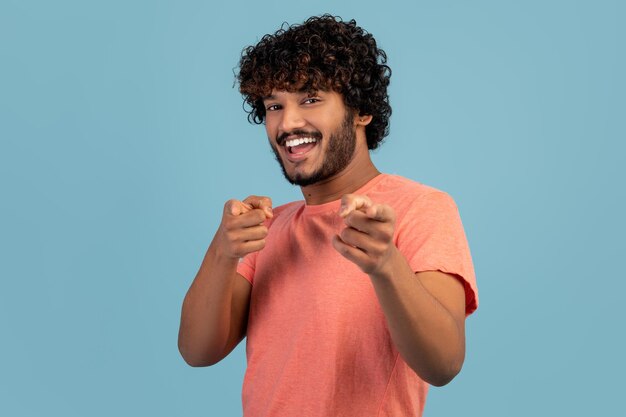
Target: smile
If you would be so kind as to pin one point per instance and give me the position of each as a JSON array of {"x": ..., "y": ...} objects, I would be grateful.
[{"x": 297, "y": 149}]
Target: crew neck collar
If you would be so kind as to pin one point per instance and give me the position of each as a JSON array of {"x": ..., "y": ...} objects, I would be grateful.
[{"x": 334, "y": 205}]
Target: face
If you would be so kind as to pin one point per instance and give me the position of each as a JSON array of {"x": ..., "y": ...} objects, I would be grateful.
[{"x": 313, "y": 136}]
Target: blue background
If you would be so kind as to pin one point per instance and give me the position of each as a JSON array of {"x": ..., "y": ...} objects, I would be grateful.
[{"x": 122, "y": 136}]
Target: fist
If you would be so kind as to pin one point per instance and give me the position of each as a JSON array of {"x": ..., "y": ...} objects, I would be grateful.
[
  {"x": 367, "y": 239},
  {"x": 242, "y": 230}
]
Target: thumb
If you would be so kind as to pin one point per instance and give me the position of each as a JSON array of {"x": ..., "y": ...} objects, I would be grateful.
[
  {"x": 236, "y": 207},
  {"x": 262, "y": 203}
]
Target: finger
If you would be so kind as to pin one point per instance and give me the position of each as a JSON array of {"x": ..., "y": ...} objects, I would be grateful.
[
  {"x": 354, "y": 255},
  {"x": 251, "y": 246},
  {"x": 261, "y": 202},
  {"x": 380, "y": 212},
  {"x": 360, "y": 221},
  {"x": 358, "y": 239},
  {"x": 251, "y": 233},
  {"x": 253, "y": 217},
  {"x": 354, "y": 238},
  {"x": 377, "y": 229},
  {"x": 235, "y": 207},
  {"x": 351, "y": 202}
]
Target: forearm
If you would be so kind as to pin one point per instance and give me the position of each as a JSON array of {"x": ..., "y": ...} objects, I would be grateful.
[
  {"x": 425, "y": 333},
  {"x": 205, "y": 326},
  {"x": 215, "y": 310}
]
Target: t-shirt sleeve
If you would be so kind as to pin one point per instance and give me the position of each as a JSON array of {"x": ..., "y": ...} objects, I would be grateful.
[
  {"x": 431, "y": 237},
  {"x": 247, "y": 265}
]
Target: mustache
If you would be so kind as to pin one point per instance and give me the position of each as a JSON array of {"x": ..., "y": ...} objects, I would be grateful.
[{"x": 281, "y": 139}]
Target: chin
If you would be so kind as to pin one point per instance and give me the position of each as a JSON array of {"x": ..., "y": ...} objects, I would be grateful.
[{"x": 300, "y": 179}]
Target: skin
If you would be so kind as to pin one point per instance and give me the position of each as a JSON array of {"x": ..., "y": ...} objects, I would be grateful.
[
  {"x": 425, "y": 311},
  {"x": 337, "y": 155}
]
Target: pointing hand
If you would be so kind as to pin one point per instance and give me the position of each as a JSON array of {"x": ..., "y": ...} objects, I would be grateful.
[
  {"x": 367, "y": 239},
  {"x": 242, "y": 230}
]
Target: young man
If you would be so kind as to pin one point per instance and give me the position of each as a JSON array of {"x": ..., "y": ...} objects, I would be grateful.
[{"x": 355, "y": 299}]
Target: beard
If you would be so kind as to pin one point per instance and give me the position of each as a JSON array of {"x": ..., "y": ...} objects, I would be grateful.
[{"x": 339, "y": 154}]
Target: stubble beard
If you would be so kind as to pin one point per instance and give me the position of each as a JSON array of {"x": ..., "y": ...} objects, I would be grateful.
[{"x": 339, "y": 154}]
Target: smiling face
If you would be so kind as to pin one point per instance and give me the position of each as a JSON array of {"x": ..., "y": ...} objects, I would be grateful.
[{"x": 312, "y": 135}]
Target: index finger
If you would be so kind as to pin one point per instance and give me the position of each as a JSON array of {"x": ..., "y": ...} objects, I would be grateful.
[
  {"x": 380, "y": 212},
  {"x": 350, "y": 202},
  {"x": 261, "y": 202}
]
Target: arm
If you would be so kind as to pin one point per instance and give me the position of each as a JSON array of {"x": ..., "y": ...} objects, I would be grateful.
[
  {"x": 425, "y": 312},
  {"x": 215, "y": 309}
]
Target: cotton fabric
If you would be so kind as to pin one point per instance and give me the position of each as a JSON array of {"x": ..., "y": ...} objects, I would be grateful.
[{"x": 317, "y": 341}]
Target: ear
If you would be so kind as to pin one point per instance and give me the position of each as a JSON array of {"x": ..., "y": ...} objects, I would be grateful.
[{"x": 362, "y": 120}]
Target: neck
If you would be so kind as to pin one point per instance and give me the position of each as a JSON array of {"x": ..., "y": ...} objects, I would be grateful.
[{"x": 358, "y": 173}]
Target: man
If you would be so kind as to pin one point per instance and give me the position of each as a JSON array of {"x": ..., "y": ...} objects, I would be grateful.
[{"x": 355, "y": 299}]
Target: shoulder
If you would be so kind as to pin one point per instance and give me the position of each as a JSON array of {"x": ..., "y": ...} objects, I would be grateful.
[
  {"x": 404, "y": 194},
  {"x": 391, "y": 184}
]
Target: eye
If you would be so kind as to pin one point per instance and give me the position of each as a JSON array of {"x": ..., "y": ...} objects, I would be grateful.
[
  {"x": 311, "y": 100},
  {"x": 272, "y": 107}
]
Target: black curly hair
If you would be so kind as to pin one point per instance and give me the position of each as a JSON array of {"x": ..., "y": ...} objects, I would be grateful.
[{"x": 324, "y": 53}]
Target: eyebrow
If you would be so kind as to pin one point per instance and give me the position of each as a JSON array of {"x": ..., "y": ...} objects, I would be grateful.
[{"x": 302, "y": 92}]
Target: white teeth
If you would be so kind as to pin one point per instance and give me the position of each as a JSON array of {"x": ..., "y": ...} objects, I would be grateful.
[{"x": 295, "y": 142}]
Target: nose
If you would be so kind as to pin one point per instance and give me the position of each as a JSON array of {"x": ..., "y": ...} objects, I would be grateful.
[{"x": 292, "y": 119}]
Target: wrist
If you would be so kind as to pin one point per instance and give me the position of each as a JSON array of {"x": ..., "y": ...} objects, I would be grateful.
[{"x": 219, "y": 257}]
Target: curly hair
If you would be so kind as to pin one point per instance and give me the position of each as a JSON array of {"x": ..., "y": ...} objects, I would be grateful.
[{"x": 324, "y": 53}]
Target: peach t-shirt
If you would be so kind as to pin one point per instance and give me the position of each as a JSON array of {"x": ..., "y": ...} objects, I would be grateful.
[{"x": 317, "y": 340}]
